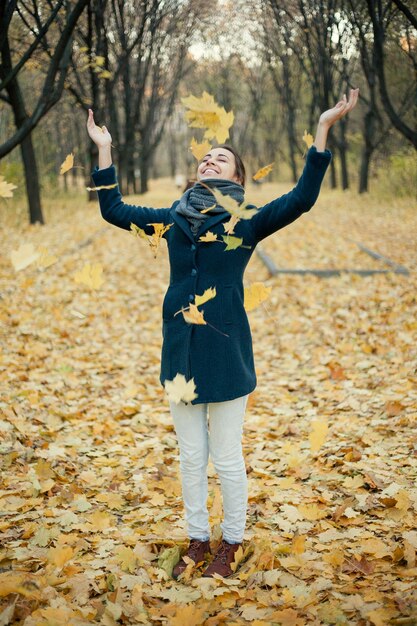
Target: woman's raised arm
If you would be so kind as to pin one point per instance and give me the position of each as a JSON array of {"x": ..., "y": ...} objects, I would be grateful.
[{"x": 102, "y": 139}]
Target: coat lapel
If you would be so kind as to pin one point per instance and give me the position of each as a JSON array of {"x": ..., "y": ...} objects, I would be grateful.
[
  {"x": 212, "y": 221},
  {"x": 184, "y": 224}
]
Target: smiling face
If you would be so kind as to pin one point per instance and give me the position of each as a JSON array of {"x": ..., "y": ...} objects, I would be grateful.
[{"x": 218, "y": 163}]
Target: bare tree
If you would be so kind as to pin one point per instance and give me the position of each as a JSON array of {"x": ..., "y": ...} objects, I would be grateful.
[
  {"x": 382, "y": 14},
  {"x": 34, "y": 22}
]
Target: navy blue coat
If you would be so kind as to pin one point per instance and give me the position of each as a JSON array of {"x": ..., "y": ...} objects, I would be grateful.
[{"x": 222, "y": 365}]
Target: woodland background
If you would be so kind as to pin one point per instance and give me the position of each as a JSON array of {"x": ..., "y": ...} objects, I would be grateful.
[{"x": 91, "y": 515}]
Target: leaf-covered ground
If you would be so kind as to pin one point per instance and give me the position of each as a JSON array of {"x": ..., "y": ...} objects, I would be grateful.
[{"x": 91, "y": 510}]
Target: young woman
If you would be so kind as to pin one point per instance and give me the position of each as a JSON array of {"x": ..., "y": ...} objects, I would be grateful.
[{"x": 217, "y": 357}]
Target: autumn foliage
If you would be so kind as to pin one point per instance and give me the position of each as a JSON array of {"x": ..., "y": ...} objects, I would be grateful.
[{"x": 92, "y": 517}]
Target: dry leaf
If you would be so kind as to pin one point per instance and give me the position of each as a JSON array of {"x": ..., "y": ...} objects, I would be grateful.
[
  {"x": 180, "y": 390},
  {"x": 91, "y": 275},
  {"x": 6, "y": 189},
  {"x": 308, "y": 139},
  {"x": 264, "y": 171},
  {"x": 199, "y": 150},
  {"x": 67, "y": 164},
  {"x": 192, "y": 315},
  {"x": 24, "y": 256},
  {"x": 255, "y": 294},
  {"x": 209, "y": 294},
  {"x": 208, "y": 237},
  {"x": 112, "y": 186},
  {"x": 318, "y": 434}
]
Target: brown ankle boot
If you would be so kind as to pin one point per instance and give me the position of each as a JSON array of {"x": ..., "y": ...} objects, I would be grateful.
[
  {"x": 224, "y": 556},
  {"x": 196, "y": 551}
]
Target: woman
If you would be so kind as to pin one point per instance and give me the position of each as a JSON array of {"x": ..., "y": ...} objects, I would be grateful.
[{"x": 215, "y": 356}]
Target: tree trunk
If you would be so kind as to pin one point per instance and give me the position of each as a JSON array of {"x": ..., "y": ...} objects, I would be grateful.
[
  {"x": 144, "y": 172},
  {"x": 26, "y": 146},
  {"x": 368, "y": 148},
  {"x": 31, "y": 180},
  {"x": 342, "y": 153}
]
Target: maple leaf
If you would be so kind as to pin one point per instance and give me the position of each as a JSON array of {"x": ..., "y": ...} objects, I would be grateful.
[
  {"x": 255, "y": 295},
  {"x": 6, "y": 189},
  {"x": 180, "y": 390},
  {"x": 318, "y": 434},
  {"x": 91, "y": 275},
  {"x": 308, "y": 139},
  {"x": 24, "y": 256},
  {"x": 188, "y": 615},
  {"x": 60, "y": 555},
  {"x": 67, "y": 164},
  {"x": 205, "y": 113},
  {"x": 209, "y": 294},
  {"x": 199, "y": 150},
  {"x": 127, "y": 559},
  {"x": 153, "y": 240},
  {"x": 312, "y": 512},
  {"x": 24, "y": 584},
  {"x": 263, "y": 171},
  {"x": 112, "y": 186},
  {"x": 208, "y": 237},
  {"x": 192, "y": 315}
]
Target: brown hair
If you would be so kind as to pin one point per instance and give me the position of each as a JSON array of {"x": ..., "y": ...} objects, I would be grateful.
[{"x": 240, "y": 168}]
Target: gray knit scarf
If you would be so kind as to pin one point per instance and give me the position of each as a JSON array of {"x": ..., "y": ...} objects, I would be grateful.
[{"x": 194, "y": 200}]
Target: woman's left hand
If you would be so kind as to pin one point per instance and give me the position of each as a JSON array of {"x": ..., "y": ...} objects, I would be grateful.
[{"x": 329, "y": 117}]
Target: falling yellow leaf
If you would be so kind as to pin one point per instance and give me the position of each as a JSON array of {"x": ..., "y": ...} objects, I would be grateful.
[
  {"x": 232, "y": 206},
  {"x": 205, "y": 113},
  {"x": 318, "y": 434},
  {"x": 112, "y": 186},
  {"x": 255, "y": 295},
  {"x": 308, "y": 139},
  {"x": 6, "y": 189},
  {"x": 192, "y": 315},
  {"x": 199, "y": 150},
  {"x": 180, "y": 390},
  {"x": 153, "y": 240},
  {"x": 232, "y": 242},
  {"x": 264, "y": 171},
  {"x": 67, "y": 164},
  {"x": 229, "y": 226},
  {"x": 24, "y": 256},
  {"x": 209, "y": 294},
  {"x": 91, "y": 275},
  {"x": 208, "y": 237}
]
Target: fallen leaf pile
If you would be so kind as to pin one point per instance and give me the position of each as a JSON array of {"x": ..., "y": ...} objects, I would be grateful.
[{"x": 92, "y": 519}]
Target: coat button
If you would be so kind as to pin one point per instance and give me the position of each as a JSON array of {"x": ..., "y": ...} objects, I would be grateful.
[
  {"x": 191, "y": 297},
  {"x": 193, "y": 272},
  {"x": 192, "y": 247}
]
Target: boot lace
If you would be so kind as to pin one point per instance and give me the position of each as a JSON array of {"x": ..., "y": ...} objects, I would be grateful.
[
  {"x": 223, "y": 552},
  {"x": 194, "y": 548}
]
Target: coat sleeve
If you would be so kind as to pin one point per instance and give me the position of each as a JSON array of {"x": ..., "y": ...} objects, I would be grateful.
[
  {"x": 289, "y": 207},
  {"x": 115, "y": 211}
]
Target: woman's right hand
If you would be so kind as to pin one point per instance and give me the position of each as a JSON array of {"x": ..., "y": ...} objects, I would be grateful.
[{"x": 100, "y": 136}]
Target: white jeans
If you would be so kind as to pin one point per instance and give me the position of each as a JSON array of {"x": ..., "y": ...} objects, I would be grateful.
[{"x": 221, "y": 436}]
